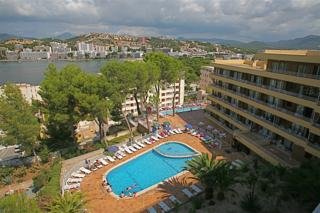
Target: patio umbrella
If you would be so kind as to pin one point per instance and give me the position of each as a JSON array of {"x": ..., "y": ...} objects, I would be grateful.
[
  {"x": 188, "y": 126},
  {"x": 113, "y": 149}
]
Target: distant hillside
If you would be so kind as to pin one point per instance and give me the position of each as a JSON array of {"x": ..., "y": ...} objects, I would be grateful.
[
  {"x": 6, "y": 36},
  {"x": 64, "y": 36},
  {"x": 308, "y": 42}
]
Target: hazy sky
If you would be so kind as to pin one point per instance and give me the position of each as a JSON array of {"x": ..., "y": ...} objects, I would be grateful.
[{"x": 229, "y": 19}]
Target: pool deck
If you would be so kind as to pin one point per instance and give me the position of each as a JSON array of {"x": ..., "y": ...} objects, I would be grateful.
[{"x": 99, "y": 200}]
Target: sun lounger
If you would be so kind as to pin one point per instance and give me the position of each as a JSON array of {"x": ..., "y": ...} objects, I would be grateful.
[
  {"x": 77, "y": 175},
  {"x": 141, "y": 144},
  {"x": 74, "y": 180},
  {"x": 121, "y": 148},
  {"x": 196, "y": 189},
  {"x": 147, "y": 141},
  {"x": 136, "y": 146},
  {"x": 176, "y": 131},
  {"x": 110, "y": 158},
  {"x": 159, "y": 136},
  {"x": 187, "y": 193},
  {"x": 132, "y": 148},
  {"x": 174, "y": 199},
  {"x": 164, "y": 206},
  {"x": 154, "y": 138},
  {"x": 179, "y": 130},
  {"x": 122, "y": 153},
  {"x": 84, "y": 170},
  {"x": 152, "y": 210},
  {"x": 103, "y": 161},
  {"x": 119, "y": 156},
  {"x": 127, "y": 150},
  {"x": 172, "y": 132},
  {"x": 72, "y": 186}
]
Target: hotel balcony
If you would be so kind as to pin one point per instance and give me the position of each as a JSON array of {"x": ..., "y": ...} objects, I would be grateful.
[
  {"x": 273, "y": 127},
  {"x": 290, "y": 96},
  {"x": 278, "y": 111},
  {"x": 272, "y": 153}
]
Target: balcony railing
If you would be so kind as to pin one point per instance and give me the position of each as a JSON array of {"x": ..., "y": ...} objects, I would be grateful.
[
  {"x": 265, "y": 104},
  {"x": 288, "y": 131},
  {"x": 305, "y": 75},
  {"x": 272, "y": 88}
]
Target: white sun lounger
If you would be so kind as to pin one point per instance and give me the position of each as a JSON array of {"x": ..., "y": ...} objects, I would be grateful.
[
  {"x": 141, "y": 144},
  {"x": 72, "y": 186},
  {"x": 121, "y": 149},
  {"x": 132, "y": 148},
  {"x": 110, "y": 158},
  {"x": 164, "y": 206},
  {"x": 77, "y": 175},
  {"x": 136, "y": 146},
  {"x": 119, "y": 156},
  {"x": 84, "y": 170},
  {"x": 154, "y": 138},
  {"x": 152, "y": 210},
  {"x": 103, "y": 161},
  {"x": 127, "y": 149},
  {"x": 174, "y": 199},
  {"x": 172, "y": 132},
  {"x": 196, "y": 189},
  {"x": 179, "y": 130},
  {"x": 176, "y": 131},
  {"x": 121, "y": 153},
  {"x": 74, "y": 180},
  {"x": 147, "y": 141},
  {"x": 187, "y": 193},
  {"x": 159, "y": 136}
]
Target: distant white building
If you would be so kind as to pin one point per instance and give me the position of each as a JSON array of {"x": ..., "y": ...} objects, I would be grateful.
[
  {"x": 166, "y": 98},
  {"x": 28, "y": 54},
  {"x": 60, "y": 47}
]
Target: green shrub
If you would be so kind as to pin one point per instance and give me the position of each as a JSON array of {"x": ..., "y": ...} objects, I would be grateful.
[
  {"x": 18, "y": 203},
  {"x": 6, "y": 175},
  {"x": 6, "y": 180},
  {"x": 250, "y": 203},
  {"x": 44, "y": 154},
  {"x": 20, "y": 172},
  {"x": 197, "y": 203}
]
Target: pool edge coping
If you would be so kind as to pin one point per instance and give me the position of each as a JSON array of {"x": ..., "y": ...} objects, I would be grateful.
[{"x": 152, "y": 186}]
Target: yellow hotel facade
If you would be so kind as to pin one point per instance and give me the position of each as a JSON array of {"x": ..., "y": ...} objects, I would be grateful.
[{"x": 270, "y": 104}]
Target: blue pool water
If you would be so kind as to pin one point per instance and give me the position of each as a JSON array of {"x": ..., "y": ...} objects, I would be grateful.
[
  {"x": 184, "y": 109},
  {"x": 149, "y": 168}
]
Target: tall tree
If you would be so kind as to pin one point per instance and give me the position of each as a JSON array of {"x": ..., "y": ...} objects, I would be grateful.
[
  {"x": 119, "y": 76},
  {"x": 164, "y": 63},
  {"x": 17, "y": 120},
  {"x": 59, "y": 91}
]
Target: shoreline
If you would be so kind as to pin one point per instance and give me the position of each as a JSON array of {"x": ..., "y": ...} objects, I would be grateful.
[{"x": 68, "y": 60}]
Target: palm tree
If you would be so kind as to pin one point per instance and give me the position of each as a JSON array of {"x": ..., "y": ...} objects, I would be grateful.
[
  {"x": 225, "y": 178},
  {"x": 69, "y": 203},
  {"x": 201, "y": 167}
]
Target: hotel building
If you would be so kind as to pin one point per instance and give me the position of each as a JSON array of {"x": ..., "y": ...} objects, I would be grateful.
[
  {"x": 166, "y": 97},
  {"x": 270, "y": 104}
]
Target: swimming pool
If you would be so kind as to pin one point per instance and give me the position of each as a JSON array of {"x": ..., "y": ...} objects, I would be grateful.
[
  {"x": 178, "y": 110},
  {"x": 150, "y": 168}
]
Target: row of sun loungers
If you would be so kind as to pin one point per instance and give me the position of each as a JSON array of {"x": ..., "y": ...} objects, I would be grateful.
[{"x": 165, "y": 207}]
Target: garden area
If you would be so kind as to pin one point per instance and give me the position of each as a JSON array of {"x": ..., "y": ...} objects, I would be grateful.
[{"x": 255, "y": 187}]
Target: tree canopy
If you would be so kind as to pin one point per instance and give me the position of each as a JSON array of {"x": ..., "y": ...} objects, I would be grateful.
[{"x": 17, "y": 119}]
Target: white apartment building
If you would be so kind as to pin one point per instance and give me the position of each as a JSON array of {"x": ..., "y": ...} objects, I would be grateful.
[
  {"x": 60, "y": 47},
  {"x": 205, "y": 79},
  {"x": 28, "y": 54},
  {"x": 166, "y": 96}
]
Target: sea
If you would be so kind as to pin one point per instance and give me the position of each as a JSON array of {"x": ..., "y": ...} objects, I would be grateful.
[{"x": 32, "y": 72}]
